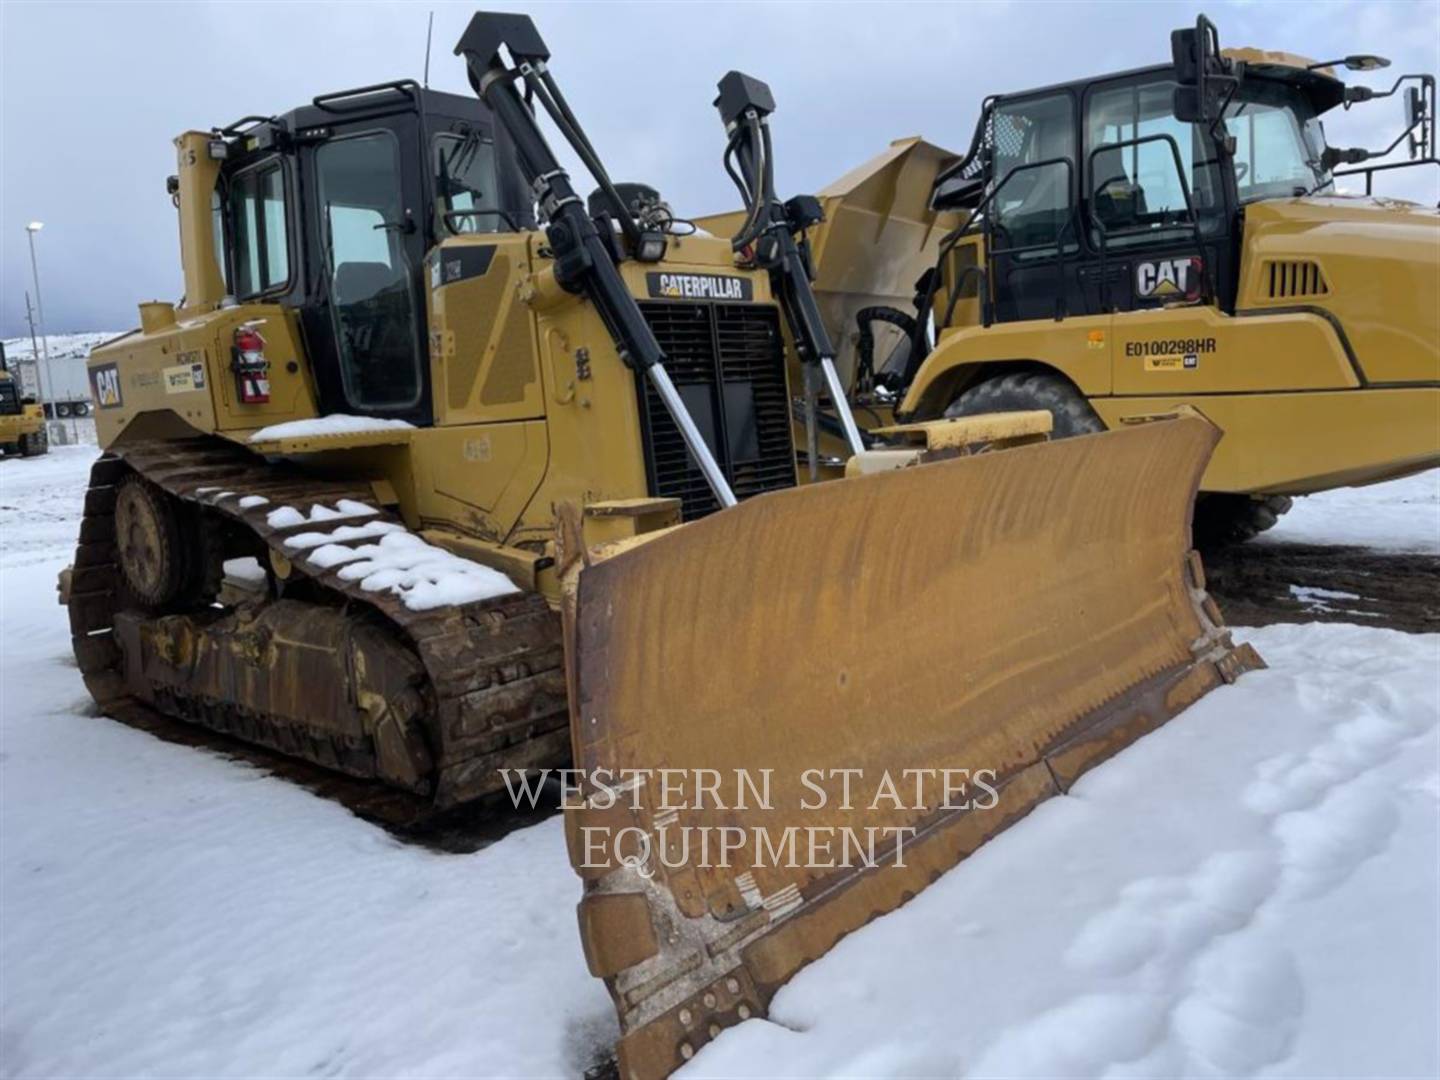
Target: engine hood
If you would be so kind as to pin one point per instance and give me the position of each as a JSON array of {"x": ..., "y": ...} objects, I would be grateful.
[{"x": 1378, "y": 264}]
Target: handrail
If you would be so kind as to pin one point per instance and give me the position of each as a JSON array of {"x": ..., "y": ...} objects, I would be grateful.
[
  {"x": 408, "y": 87},
  {"x": 502, "y": 214},
  {"x": 1369, "y": 170},
  {"x": 1105, "y": 233},
  {"x": 244, "y": 121},
  {"x": 1058, "y": 243}
]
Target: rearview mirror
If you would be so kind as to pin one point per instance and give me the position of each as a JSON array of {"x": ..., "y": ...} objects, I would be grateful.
[
  {"x": 1366, "y": 62},
  {"x": 1187, "y": 107},
  {"x": 1200, "y": 70}
]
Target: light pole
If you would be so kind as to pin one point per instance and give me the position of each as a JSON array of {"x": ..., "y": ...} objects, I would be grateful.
[{"x": 49, "y": 392}]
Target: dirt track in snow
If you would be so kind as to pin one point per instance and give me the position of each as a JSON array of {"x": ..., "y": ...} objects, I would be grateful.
[{"x": 1259, "y": 584}]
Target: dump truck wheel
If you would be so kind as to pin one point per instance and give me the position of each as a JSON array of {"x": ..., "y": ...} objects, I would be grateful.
[
  {"x": 1022, "y": 390},
  {"x": 1222, "y": 519},
  {"x": 35, "y": 444}
]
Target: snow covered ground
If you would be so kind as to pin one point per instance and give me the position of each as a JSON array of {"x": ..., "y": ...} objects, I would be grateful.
[
  {"x": 1402, "y": 515},
  {"x": 1252, "y": 890}
]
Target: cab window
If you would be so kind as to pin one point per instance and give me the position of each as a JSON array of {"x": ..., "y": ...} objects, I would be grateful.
[
  {"x": 1135, "y": 190},
  {"x": 258, "y": 216},
  {"x": 1033, "y": 148},
  {"x": 1278, "y": 143},
  {"x": 217, "y": 230},
  {"x": 364, "y": 226},
  {"x": 466, "y": 183}
]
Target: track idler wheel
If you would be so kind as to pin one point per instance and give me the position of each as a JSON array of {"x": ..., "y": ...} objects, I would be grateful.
[{"x": 164, "y": 551}]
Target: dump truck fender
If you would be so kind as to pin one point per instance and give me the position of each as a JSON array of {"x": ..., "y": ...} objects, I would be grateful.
[
  {"x": 1078, "y": 348},
  {"x": 946, "y": 383}
]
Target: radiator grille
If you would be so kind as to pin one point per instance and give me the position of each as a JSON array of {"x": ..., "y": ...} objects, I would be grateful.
[
  {"x": 1291, "y": 279},
  {"x": 728, "y": 362}
]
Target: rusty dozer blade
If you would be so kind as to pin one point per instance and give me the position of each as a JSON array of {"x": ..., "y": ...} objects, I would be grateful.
[{"x": 1022, "y": 614}]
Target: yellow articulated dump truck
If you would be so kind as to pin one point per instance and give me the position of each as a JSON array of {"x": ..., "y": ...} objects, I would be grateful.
[
  {"x": 22, "y": 423},
  {"x": 515, "y": 475},
  {"x": 1176, "y": 235}
]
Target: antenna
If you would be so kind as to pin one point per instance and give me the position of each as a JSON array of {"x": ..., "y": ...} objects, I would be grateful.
[{"x": 429, "y": 30}]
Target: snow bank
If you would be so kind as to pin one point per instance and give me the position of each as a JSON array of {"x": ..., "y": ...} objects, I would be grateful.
[{"x": 334, "y": 424}]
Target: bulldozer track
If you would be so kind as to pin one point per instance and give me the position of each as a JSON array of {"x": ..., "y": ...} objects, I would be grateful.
[
  {"x": 494, "y": 693},
  {"x": 1261, "y": 583}
]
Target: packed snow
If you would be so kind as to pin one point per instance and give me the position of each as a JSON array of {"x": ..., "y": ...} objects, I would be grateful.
[
  {"x": 422, "y": 575},
  {"x": 285, "y": 517},
  {"x": 334, "y": 424},
  {"x": 1252, "y": 890},
  {"x": 1401, "y": 515}
]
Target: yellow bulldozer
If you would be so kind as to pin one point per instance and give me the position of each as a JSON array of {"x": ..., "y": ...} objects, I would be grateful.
[
  {"x": 1179, "y": 235},
  {"x": 441, "y": 475}
]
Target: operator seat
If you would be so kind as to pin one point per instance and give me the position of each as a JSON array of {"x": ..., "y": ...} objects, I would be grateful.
[{"x": 1119, "y": 203}]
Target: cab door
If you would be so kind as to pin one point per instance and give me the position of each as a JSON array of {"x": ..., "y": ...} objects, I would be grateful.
[
  {"x": 369, "y": 319},
  {"x": 1158, "y": 234},
  {"x": 1032, "y": 234}
]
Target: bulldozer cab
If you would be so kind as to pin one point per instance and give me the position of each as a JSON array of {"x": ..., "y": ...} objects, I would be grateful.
[
  {"x": 330, "y": 209},
  {"x": 1126, "y": 191}
]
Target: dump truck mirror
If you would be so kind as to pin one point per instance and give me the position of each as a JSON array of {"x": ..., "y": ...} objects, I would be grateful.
[
  {"x": 1366, "y": 62},
  {"x": 1187, "y": 106},
  {"x": 1195, "y": 54}
]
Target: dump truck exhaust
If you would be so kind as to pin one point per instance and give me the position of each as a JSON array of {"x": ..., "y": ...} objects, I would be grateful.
[{"x": 986, "y": 630}]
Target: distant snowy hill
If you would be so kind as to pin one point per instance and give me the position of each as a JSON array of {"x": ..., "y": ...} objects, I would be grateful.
[{"x": 68, "y": 353}]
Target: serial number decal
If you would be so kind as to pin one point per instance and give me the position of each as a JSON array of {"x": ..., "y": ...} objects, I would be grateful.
[
  {"x": 1168, "y": 347},
  {"x": 698, "y": 287}
]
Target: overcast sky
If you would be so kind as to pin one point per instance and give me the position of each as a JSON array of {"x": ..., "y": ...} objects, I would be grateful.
[{"x": 92, "y": 94}]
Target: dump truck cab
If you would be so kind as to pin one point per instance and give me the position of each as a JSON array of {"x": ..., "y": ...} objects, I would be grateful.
[{"x": 1177, "y": 234}]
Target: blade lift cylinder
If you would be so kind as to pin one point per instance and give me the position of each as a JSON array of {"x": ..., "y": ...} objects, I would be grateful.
[{"x": 584, "y": 263}]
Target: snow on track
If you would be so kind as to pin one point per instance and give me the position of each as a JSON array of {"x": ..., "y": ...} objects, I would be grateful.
[
  {"x": 334, "y": 424},
  {"x": 1252, "y": 889}
]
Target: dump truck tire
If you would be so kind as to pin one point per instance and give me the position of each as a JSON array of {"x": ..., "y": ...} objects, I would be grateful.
[
  {"x": 35, "y": 444},
  {"x": 1020, "y": 391},
  {"x": 1222, "y": 519}
]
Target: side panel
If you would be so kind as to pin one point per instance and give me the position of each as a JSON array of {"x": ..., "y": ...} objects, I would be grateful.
[
  {"x": 1378, "y": 264},
  {"x": 183, "y": 370},
  {"x": 484, "y": 360},
  {"x": 1293, "y": 444},
  {"x": 478, "y": 478},
  {"x": 1197, "y": 350}
]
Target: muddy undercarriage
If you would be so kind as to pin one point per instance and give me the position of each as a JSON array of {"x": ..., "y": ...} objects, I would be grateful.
[{"x": 432, "y": 702}]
